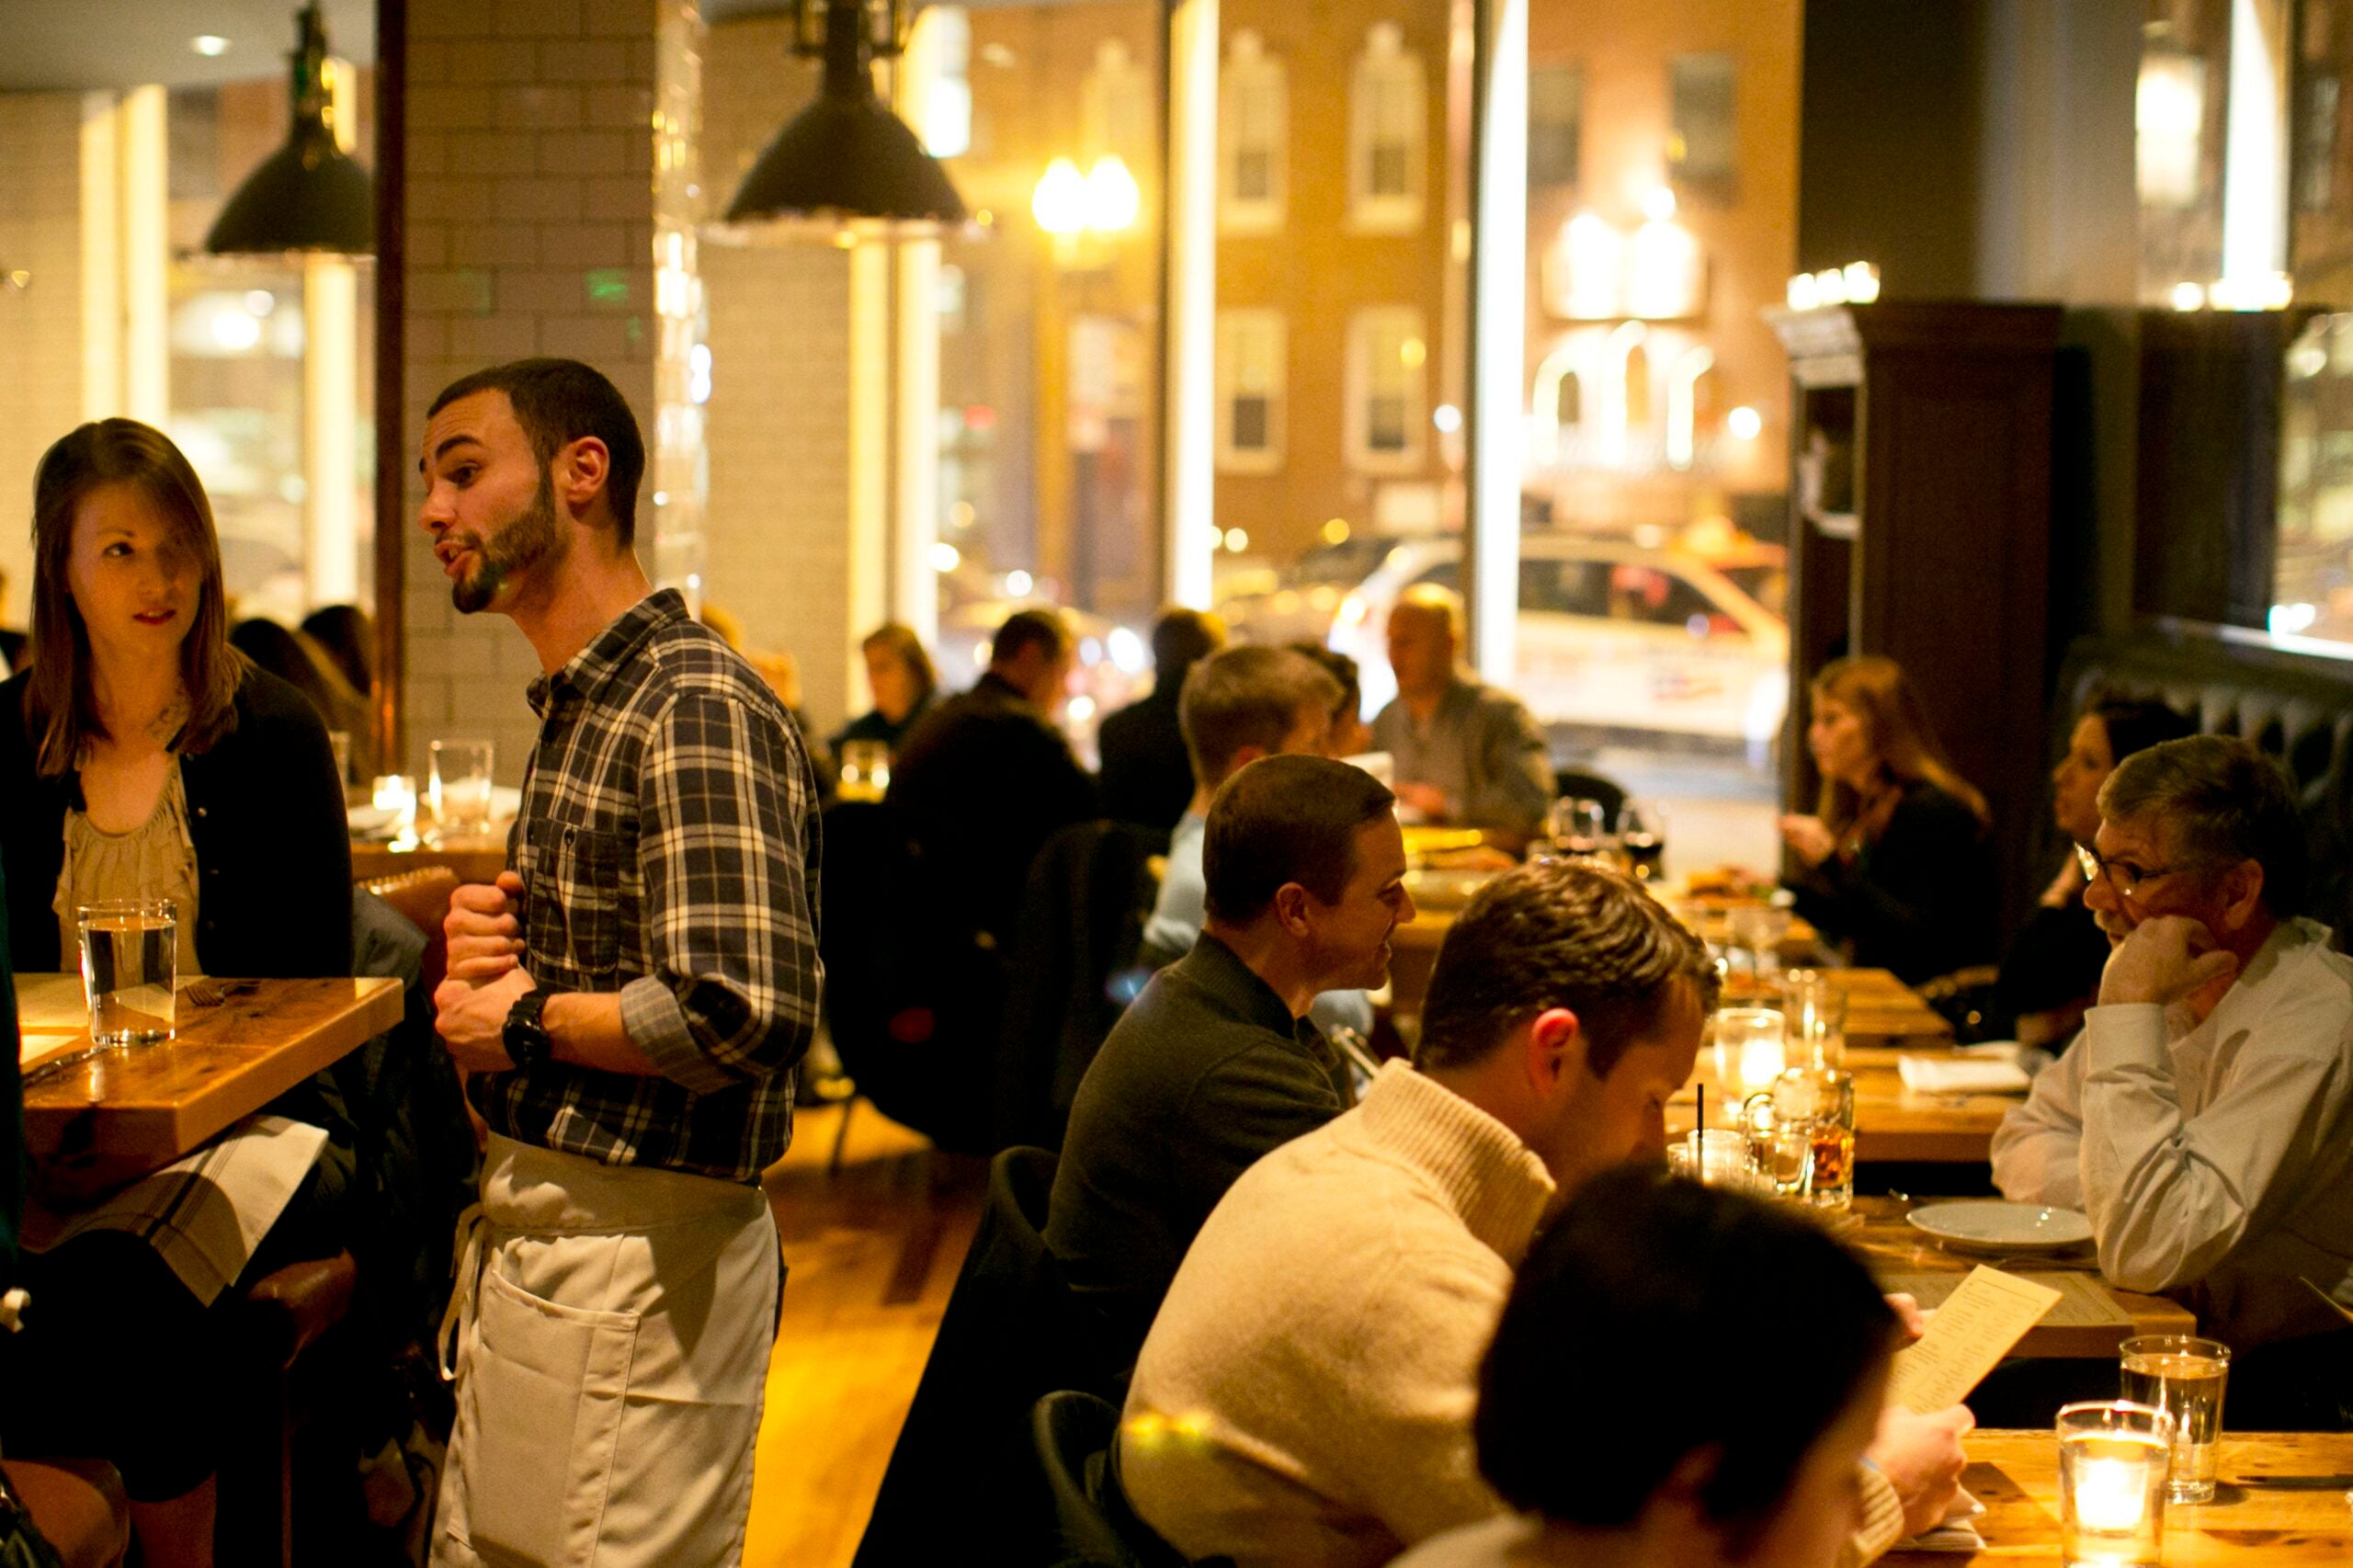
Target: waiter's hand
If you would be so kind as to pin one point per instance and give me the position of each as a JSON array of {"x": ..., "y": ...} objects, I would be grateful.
[
  {"x": 485, "y": 933},
  {"x": 471, "y": 1019}
]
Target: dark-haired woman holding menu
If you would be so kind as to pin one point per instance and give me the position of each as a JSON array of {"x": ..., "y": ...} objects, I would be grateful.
[{"x": 143, "y": 757}]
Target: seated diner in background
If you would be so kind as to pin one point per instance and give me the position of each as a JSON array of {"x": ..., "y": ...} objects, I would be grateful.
[
  {"x": 144, "y": 758},
  {"x": 1147, "y": 773},
  {"x": 1895, "y": 864},
  {"x": 1350, "y": 736},
  {"x": 2201, "y": 1118},
  {"x": 1602, "y": 1416},
  {"x": 2052, "y": 972},
  {"x": 985, "y": 778},
  {"x": 1217, "y": 1062},
  {"x": 1305, "y": 1394},
  {"x": 1463, "y": 753},
  {"x": 1239, "y": 706},
  {"x": 904, "y": 687}
]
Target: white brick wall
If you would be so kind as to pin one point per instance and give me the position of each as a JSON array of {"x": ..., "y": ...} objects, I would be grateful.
[
  {"x": 41, "y": 328},
  {"x": 530, "y": 167}
]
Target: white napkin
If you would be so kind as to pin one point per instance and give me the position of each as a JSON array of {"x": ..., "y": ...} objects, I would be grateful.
[
  {"x": 1956, "y": 1534},
  {"x": 1961, "y": 1075}
]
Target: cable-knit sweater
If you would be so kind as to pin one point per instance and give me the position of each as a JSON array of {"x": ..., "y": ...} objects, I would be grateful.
[{"x": 1305, "y": 1395}]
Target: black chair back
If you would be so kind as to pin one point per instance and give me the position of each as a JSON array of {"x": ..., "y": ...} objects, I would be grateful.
[
  {"x": 1075, "y": 1432},
  {"x": 913, "y": 1004},
  {"x": 1073, "y": 973},
  {"x": 1576, "y": 784},
  {"x": 963, "y": 1469}
]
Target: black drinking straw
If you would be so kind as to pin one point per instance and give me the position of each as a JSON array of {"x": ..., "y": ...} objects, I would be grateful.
[{"x": 1700, "y": 1140}]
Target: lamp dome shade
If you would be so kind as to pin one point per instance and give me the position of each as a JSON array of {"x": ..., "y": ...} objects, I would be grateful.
[
  {"x": 306, "y": 196},
  {"x": 847, "y": 154}
]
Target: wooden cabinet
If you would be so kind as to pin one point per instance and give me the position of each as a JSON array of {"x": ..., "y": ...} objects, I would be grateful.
[{"x": 1920, "y": 530}]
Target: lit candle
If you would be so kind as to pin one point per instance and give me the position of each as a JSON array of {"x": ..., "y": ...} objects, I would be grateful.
[
  {"x": 2110, "y": 1493},
  {"x": 1762, "y": 1059}
]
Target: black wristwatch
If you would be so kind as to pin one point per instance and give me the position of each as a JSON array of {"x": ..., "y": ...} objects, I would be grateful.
[{"x": 525, "y": 1037}]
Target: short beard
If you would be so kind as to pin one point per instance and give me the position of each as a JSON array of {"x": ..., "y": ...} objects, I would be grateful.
[{"x": 528, "y": 539}]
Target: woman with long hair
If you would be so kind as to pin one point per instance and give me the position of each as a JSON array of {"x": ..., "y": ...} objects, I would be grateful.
[
  {"x": 1894, "y": 858},
  {"x": 899, "y": 673},
  {"x": 2052, "y": 972},
  {"x": 142, "y": 757},
  {"x": 1602, "y": 1420}
]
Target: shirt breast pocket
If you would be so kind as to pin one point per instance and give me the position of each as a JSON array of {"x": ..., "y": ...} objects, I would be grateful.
[{"x": 584, "y": 874}]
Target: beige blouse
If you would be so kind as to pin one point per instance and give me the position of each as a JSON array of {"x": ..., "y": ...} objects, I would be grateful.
[{"x": 156, "y": 859}]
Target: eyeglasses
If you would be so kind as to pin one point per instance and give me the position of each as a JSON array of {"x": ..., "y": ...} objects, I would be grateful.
[{"x": 2123, "y": 875}]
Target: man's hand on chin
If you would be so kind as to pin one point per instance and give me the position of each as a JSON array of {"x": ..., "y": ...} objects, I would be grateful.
[
  {"x": 471, "y": 1019},
  {"x": 2166, "y": 957}
]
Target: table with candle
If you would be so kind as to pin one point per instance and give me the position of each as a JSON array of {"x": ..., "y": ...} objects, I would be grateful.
[{"x": 2283, "y": 1501}]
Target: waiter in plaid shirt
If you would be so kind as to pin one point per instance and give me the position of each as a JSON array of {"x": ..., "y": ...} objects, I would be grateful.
[{"x": 629, "y": 1000}]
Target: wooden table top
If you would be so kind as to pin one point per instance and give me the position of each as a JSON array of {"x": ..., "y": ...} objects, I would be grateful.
[
  {"x": 475, "y": 860},
  {"x": 2090, "y": 1319},
  {"x": 1885, "y": 1020},
  {"x": 134, "y": 1110},
  {"x": 2284, "y": 1498}
]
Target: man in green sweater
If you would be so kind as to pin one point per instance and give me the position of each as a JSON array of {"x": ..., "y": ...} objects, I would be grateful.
[{"x": 1305, "y": 1393}]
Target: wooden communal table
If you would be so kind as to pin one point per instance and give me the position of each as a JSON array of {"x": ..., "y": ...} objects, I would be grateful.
[
  {"x": 1885, "y": 1020},
  {"x": 2090, "y": 1319},
  {"x": 118, "y": 1114},
  {"x": 2282, "y": 1501},
  {"x": 475, "y": 860}
]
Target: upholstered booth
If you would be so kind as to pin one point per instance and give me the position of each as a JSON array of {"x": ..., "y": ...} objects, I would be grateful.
[{"x": 2296, "y": 705}]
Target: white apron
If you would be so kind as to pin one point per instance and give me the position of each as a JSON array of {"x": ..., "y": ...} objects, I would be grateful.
[{"x": 613, "y": 1328}]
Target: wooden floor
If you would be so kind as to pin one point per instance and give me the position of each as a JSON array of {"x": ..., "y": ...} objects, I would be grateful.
[{"x": 872, "y": 1251}]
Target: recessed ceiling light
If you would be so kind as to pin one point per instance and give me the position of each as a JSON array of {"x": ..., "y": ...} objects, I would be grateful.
[{"x": 209, "y": 45}]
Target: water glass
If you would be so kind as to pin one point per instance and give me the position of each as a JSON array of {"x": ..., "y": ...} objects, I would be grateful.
[
  {"x": 1578, "y": 826},
  {"x": 1641, "y": 839},
  {"x": 130, "y": 968},
  {"x": 1752, "y": 1049},
  {"x": 1753, "y": 944},
  {"x": 459, "y": 788},
  {"x": 1714, "y": 1156},
  {"x": 1817, "y": 1011},
  {"x": 2184, "y": 1376},
  {"x": 866, "y": 770},
  {"x": 2112, "y": 1465}
]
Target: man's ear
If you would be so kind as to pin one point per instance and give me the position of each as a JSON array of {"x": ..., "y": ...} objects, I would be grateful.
[
  {"x": 1290, "y": 908},
  {"x": 1555, "y": 1049},
  {"x": 582, "y": 471},
  {"x": 2242, "y": 890}
]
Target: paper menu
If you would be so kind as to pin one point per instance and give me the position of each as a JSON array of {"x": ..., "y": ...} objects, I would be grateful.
[{"x": 1967, "y": 1338}]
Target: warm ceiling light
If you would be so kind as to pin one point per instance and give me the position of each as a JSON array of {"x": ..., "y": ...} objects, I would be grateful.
[
  {"x": 213, "y": 46},
  {"x": 846, "y": 158},
  {"x": 309, "y": 195},
  {"x": 1059, "y": 203}
]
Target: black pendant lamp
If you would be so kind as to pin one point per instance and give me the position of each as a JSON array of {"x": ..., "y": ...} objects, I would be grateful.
[
  {"x": 309, "y": 195},
  {"x": 846, "y": 157}
]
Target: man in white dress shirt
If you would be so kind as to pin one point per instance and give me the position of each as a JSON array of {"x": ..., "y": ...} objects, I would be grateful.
[{"x": 2201, "y": 1119}]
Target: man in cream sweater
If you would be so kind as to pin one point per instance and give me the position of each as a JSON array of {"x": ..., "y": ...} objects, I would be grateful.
[{"x": 1305, "y": 1394}]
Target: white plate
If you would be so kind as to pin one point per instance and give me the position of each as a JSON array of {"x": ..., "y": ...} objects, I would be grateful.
[
  {"x": 1993, "y": 1226},
  {"x": 366, "y": 820}
]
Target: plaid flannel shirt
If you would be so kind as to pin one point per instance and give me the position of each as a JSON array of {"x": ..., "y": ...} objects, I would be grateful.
[{"x": 668, "y": 847}]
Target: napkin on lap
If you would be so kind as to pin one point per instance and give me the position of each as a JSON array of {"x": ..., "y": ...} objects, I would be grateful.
[{"x": 1961, "y": 1075}]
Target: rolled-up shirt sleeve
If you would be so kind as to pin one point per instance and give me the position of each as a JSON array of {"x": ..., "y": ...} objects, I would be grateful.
[
  {"x": 2169, "y": 1194},
  {"x": 724, "y": 850}
]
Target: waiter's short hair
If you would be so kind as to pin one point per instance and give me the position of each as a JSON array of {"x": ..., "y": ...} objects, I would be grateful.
[{"x": 1283, "y": 820}]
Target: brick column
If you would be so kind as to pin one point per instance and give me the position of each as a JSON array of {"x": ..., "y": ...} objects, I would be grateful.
[{"x": 538, "y": 223}]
